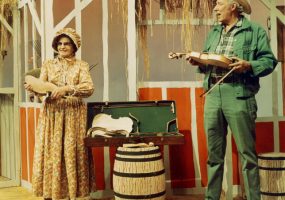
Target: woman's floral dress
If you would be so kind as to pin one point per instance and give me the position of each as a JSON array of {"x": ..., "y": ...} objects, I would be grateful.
[{"x": 61, "y": 169}]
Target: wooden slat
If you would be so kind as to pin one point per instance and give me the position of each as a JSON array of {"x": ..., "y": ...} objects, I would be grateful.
[
  {"x": 71, "y": 15},
  {"x": 23, "y": 131},
  {"x": 12, "y": 138},
  {"x": 4, "y": 140},
  {"x": 7, "y": 143},
  {"x": 151, "y": 94},
  {"x": 264, "y": 137},
  {"x": 173, "y": 139},
  {"x": 31, "y": 140},
  {"x": 282, "y": 136},
  {"x": 105, "y": 49},
  {"x": 98, "y": 157},
  {"x": 5, "y": 23},
  {"x": 35, "y": 17},
  {"x": 202, "y": 144},
  {"x": 182, "y": 169},
  {"x": 7, "y": 90},
  {"x": 132, "y": 61}
]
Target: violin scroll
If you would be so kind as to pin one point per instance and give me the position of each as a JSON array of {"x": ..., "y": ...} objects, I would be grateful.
[{"x": 174, "y": 55}]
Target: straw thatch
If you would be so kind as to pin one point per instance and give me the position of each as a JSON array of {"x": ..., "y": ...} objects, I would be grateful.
[
  {"x": 6, "y": 11},
  {"x": 183, "y": 10},
  {"x": 187, "y": 9}
]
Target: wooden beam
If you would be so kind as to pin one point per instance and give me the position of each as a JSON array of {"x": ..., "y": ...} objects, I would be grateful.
[
  {"x": 35, "y": 17},
  {"x": 132, "y": 57},
  {"x": 266, "y": 3},
  {"x": 48, "y": 29},
  {"x": 282, "y": 9},
  {"x": 6, "y": 24},
  {"x": 78, "y": 27},
  {"x": 21, "y": 3},
  {"x": 176, "y": 22},
  {"x": 17, "y": 83},
  {"x": 71, "y": 15},
  {"x": 278, "y": 13},
  {"x": 105, "y": 31},
  {"x": 65, "y": 21}
]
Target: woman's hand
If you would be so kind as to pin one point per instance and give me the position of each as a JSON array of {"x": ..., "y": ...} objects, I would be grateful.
[
  {"x": 241, "y": 66},
  {"x": 28, "y": 87},
  {"x": 59, "y": 92}
]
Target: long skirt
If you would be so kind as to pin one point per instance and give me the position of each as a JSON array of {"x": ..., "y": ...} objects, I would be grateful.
[{"x": 61, "y": 169}]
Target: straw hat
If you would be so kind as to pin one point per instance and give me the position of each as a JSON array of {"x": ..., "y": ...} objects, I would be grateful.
[
  {"x": 245, "y": 5},
  {"x": 71, "y": 33}
]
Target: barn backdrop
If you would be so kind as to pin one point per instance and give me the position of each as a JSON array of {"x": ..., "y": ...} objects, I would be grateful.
[{"x": 128, "y": 43}]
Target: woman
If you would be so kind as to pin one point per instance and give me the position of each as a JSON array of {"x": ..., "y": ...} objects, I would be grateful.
[{"x": 61, "y": 168}]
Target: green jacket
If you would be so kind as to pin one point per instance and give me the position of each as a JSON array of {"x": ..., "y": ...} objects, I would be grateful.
[{"x": 250, "y": 43}]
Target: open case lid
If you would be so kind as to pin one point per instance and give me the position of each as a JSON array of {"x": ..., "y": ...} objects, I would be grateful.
[
  {"x": 147, "y": 116},
  {"x": 153, "y": 121}
]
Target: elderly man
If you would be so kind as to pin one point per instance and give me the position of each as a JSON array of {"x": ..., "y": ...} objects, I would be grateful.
[{"x": 232, "y": 103}]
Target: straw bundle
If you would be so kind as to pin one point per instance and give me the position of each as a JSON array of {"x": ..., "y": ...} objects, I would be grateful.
[
  {"x": 272, "y": 173},
  {"x": 188, "y": 9},
  {"x": 141, "y": 8},
  {"x": 139, "y": 172},
  {"x": 6, "y": 10},
  {"x": 184, "y": 10}
]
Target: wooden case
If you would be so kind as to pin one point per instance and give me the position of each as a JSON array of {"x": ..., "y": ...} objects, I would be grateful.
[{"x": 153, "y": 121}]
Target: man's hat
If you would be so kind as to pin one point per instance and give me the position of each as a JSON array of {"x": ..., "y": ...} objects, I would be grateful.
[{"x": 245, "y": 5}]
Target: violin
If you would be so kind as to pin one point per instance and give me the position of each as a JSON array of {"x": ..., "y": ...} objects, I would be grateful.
[
  {"x": 107, "y": 126},
  {"x": 205, "y": 58},
  {"x": 38, "y": 86},
  {"x": 208, "y": 59}
]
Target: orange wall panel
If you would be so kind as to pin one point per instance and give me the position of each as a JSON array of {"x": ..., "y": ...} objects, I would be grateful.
[
  {"x": 98, "y": 160},
  {"x": 282, "y": 136},
  {"x": 264, "y": 137},
  {"x": 151, "y": 94},
  {"x": 31, "y": 138},
  {"x": 37, "y": 115},
  {"x": 24, "y": 157},
  {"x": 181, "y": 156},
  {"x": 235, "y": 163},
  {"x": 202, "y": 144},
  {"x": 112, "y": 155}
]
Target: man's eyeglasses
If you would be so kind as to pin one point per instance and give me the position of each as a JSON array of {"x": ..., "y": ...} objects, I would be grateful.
[{"x": 64, "y": 44}]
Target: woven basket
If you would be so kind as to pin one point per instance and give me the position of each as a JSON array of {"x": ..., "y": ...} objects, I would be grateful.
[
  {"x": 139, "y": 174},
  {"x": 272, "y": 173}
]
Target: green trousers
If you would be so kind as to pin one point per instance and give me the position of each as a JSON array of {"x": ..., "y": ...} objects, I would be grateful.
[{"x": 223, "y": 109}]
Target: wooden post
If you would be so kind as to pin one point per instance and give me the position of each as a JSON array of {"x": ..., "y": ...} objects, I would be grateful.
[{"x": 132, "y": 59}]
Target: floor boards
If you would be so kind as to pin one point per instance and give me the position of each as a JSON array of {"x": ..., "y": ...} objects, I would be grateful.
[{"x": 20, "y": 193}]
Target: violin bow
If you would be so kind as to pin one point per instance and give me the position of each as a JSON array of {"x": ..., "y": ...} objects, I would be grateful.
[{"x": 208, "y": 91}]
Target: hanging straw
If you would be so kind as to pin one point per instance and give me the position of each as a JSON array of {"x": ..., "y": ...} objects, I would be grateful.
[{"x": 6, "y": 11}]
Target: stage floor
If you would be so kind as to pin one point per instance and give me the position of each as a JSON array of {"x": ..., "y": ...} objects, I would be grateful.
[{"x": 20, "y": 193}]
